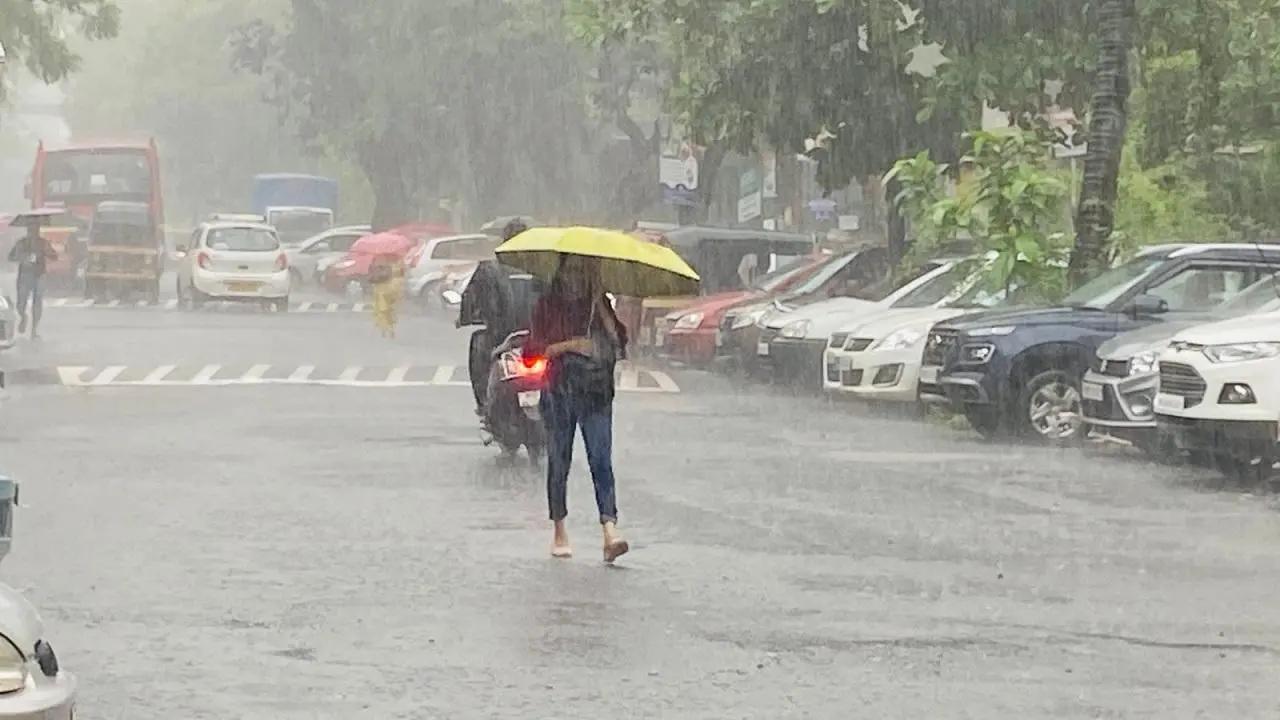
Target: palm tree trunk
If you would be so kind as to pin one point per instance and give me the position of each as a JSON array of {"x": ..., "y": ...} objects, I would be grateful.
[{"x": 1095, "y": 217}]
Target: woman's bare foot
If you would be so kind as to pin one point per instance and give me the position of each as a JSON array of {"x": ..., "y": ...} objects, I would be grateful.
[
  {"x": 560, "y": 547},
  {"x": 614, "y": 546}
]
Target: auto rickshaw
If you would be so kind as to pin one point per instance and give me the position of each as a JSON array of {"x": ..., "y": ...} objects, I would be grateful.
[{"x": 125, "y": 253}]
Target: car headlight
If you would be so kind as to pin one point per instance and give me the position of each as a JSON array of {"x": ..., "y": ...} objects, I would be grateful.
[
  {"x": 997, "y": 331},
  {"x": 1240, "y": 352},
  {"x": 899, "y": 340},
  {"x": 797, "y": 329},
  {"x": 1144, "y": 363},
  {"x": 13, "y": 667},
  {"x": 689, "y": 321},
  {"x": 747, "y": 319}
]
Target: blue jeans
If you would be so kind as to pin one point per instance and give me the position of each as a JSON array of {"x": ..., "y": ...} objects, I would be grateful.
[
  {"x": 563, "y": 414},
  {"x": 30, "y": 290}
]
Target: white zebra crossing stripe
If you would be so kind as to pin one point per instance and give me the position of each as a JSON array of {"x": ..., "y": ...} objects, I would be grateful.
[
  {"x": 631, "y": 379},
  {"x": 333, "y": 307},
  {"x": 171, "y": 304},
  {"x": 304, "y": 307}
]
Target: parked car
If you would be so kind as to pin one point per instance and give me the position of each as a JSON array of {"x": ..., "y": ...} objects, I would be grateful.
[
  {"x": 306, "y": 258},
  {"x": 879, "y": 359},
  {"x": 836, "y": 276},
  {"x": 792, "y": 342},
  {"x": 8, "y": 323},
  {"x": 435, "y": 259},
  {"x": 1220, "y": 394},
  {"x": 350, "y": 273},
  {"x": 240, "y": 261},
  {"x": 1118, "y": 393},
  {"x": 1019, "y": 371},
  {"x": 32, "y": 682},
  {"x": 693, "y": 334}
]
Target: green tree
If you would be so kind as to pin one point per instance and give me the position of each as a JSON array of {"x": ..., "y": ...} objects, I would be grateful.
[{"x": 33, "y": 32}]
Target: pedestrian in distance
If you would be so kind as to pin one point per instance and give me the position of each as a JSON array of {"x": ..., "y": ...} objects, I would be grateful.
[
  {"x": 575, "y": 328},
  {"x": 387, "y": 276},
  {"x": 32, "y": 254}
]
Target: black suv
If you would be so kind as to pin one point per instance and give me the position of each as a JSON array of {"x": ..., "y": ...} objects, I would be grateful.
[{"x": 1018, "y": 371}]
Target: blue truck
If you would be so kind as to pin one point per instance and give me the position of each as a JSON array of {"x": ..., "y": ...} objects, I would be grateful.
[{"x": 296, "y": 205}]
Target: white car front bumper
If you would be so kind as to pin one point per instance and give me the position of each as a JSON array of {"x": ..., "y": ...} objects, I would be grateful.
[
  {"x": 43, "y": 698},
  {"x": 881, "y": 375},
  {"x": 242, "y": 286}
]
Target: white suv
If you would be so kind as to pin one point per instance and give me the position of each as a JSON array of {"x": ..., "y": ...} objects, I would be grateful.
[
  {"x": 1219, "y": 394},
  {"x": 234, "y": 261}
]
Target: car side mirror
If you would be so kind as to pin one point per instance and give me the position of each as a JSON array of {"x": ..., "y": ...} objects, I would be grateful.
[{"x": 1148, "y": 305}]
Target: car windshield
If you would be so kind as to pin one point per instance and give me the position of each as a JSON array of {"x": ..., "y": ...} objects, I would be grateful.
[
  {"x": 932, "y": 291},
  {"x": 1105, "y": 289},
  {"x": 70, "y": 173},
  {"x": 242, "y": 240},
  {"x": 790, "y": 268}
]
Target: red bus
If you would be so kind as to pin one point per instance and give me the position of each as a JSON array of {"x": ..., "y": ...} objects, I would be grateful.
[{"x": 78, "y": 177}]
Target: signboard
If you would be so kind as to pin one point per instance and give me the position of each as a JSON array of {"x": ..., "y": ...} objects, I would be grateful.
[
  {"x": 749, "y": 200},
  {"x": 678, "y": 176}
]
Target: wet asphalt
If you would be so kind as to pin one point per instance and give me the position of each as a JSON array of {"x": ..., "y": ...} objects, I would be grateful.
[{"x": 342, "y": 551}]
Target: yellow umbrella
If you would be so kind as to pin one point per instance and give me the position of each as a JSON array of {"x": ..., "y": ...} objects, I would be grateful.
[{"x": 629, "y": 266}]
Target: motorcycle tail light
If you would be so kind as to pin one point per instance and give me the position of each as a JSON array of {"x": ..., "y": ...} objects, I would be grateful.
[{"x": 532, "y": 366}]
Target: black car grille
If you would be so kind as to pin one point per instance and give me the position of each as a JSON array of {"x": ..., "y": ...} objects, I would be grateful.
[
  {"x": 859, "y": 344},
  {"x": 1183, "y": 380},
  {"x": 1112, "y": 368},
  {"x": 837, "y": 340},
  {"x": 939, "y": 345},
  {"x": 851, "y": 378}
]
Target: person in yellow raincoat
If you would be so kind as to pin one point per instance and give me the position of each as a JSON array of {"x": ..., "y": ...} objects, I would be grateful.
[{"x": 387, "y": 276}]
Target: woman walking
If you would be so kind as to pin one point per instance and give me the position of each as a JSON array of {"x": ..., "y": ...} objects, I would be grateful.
[
  {"x": 575, "y": 328},
  {"x": 387, "y": 276}
]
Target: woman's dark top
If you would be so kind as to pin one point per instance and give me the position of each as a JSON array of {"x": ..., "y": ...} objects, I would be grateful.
[{"x": 557, "y": 318}]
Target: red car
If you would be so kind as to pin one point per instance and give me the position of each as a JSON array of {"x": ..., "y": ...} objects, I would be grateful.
[
  {"x": 690, "y": 333},
  {"x": 355, "y": 265}
]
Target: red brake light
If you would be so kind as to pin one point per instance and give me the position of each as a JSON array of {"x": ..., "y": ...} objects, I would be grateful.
[
  {"x": 202, "y": 260},
  {"x": 282, "y": 262},
  {"x": 533, "y": 366}
]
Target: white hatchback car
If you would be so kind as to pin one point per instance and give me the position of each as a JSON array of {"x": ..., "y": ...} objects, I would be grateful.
[{"x": 238, "y": 261}]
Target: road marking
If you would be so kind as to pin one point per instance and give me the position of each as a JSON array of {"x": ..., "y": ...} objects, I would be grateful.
[
  {"x": 350, "y": 374},
  {"x": 443, "y": 375},
  {"x": 159, "y": 374},
  {"x": 305, "y": 307},
  {"x": 205, "y": 375},
  {"x": 57, "y": 302},
  {"x": 333, "y": 307},
  {"x": 70, "y": 376},
  {"x": 302, "y": 373},
  {"x": 255, "y": 373},
  {"x": 397, "y": 374},
  {"x": 358, "y": 307},
  {"x": 108, "y": 375},
  {"x": 665, "y": 383},
  {"x": 83, "y": 303},
  {"x": 629, "y": 377},
  {"x": 171, "y": 304},
  {"x": 114, "y": 303}
]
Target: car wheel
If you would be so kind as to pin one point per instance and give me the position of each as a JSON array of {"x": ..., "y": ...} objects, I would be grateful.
[
  {"x": 985, "y": 420},
  {"x": 1049, "y": 408}
]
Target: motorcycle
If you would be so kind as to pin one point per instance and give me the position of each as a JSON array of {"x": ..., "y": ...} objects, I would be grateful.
[{"x": 512, "y": 418}]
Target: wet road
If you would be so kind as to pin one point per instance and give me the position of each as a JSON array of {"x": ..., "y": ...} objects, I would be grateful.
[{"x": 348, "y": 549}]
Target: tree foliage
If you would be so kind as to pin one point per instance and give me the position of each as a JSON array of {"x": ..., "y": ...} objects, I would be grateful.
[{"x": 33, "y": 32}]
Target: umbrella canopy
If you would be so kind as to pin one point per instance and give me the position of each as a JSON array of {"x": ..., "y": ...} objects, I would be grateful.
[
  {"x": 383, "y": 243},
  {"x": 629, "y": 265},
  {"x": 39, "y": 216}
]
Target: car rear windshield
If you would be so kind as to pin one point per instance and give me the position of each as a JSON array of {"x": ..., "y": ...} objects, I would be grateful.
[{"x": 242, "y": 240}]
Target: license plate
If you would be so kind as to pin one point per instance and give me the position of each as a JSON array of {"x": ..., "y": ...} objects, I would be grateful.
[
  {"x": 929, "y": 374},
  {"x": 762, "y": 349},
  {"x": 243, "y": 286},
  {"x": 1091, "y": 391},
  {"x": 1165, "y": 401},
  {"x": 529, "y": 399}
]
